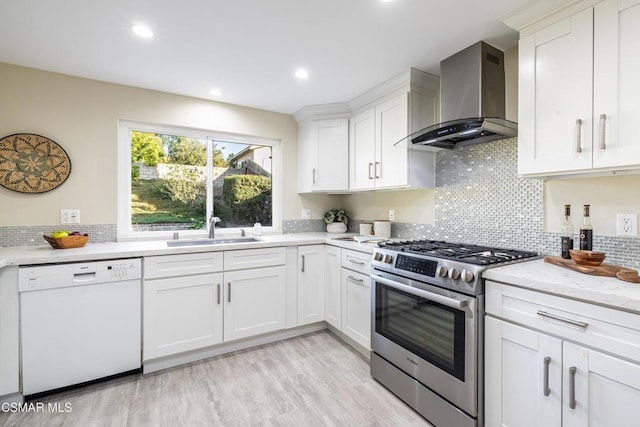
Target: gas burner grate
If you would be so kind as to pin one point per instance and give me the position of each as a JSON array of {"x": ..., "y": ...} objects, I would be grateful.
[{"x": 471, "y": 254}]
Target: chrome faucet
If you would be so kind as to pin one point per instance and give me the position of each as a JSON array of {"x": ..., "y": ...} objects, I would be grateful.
[
  {"x": 212, "y": 226},
  {"x": 242, "y": 233}
]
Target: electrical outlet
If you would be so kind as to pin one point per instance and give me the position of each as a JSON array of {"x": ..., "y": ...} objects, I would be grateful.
[
  {"x": 305, "y": 213},
  {"x": 69, "y": 216},
  {"x": 392, "y": 214},
  {"x": 627, "y": 225}
]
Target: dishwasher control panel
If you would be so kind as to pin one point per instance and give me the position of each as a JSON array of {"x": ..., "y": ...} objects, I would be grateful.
[{"x": 33, "y": 278}]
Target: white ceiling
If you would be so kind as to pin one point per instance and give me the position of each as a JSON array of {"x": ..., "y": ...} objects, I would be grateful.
[{"x": 248, "y": 49}]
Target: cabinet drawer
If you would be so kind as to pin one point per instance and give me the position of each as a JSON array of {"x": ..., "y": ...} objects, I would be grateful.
[
  {"x": 182, "y": 264},
  {"x": 253, "y": 258},
  {"x": 356, "y": 261},
  {"x": 613, "y": 331}
]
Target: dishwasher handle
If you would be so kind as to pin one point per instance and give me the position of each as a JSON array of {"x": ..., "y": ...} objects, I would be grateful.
[{"x": 84, "y": 277}]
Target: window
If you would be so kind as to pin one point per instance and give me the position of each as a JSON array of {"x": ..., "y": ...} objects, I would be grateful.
[{"x": 175, "y": 179}]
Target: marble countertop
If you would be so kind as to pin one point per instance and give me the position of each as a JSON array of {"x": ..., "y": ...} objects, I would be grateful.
[
  {"x": 45, "y": 254},
  {"x": 544, "y": 277}
]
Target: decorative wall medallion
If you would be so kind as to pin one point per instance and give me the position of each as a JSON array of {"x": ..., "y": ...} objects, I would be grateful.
[{"x": 31, "y": 163}]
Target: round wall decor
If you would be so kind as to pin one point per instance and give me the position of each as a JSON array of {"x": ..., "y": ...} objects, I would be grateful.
[{"x": 32, "y": 163}]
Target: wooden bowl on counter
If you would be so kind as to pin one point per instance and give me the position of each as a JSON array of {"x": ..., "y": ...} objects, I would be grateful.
[
  {"x": 67, "y": 242},
  {"x": 591, "y": 258}
]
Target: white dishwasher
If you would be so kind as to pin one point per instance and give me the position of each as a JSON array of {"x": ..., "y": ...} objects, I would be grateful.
[{"x": 79, "y": 322}]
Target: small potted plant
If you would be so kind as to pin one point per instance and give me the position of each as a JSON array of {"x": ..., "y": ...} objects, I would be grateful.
[{"x": 336, "y": 220}]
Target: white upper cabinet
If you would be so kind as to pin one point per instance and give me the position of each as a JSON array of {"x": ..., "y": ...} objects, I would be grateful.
[
  {"x": 616, "y": 88},
  {"x": 578, "y": 92},
  {"x": 362, "y": 153},
  {"x": 376, "y": 160},
  {"x": 323, "y": 148},
  {"x": 340, "y": 155}
]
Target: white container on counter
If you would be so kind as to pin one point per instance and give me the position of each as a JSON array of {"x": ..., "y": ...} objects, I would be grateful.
[
  {"x": 366, "y": 229},
  {"x": 382, "y": 228}
]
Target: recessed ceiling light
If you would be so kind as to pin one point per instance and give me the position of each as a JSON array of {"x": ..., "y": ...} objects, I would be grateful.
[
  {"x": 215, "y": 92},
  {"x": 301, "y": 73},
  {"x": 142, "y": 31}
]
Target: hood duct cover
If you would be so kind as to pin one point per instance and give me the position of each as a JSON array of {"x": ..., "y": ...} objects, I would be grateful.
[{"x": 472, "y": 101}]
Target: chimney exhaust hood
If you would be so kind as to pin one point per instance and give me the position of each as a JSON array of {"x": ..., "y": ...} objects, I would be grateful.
[{"x": 472, "y": 101}]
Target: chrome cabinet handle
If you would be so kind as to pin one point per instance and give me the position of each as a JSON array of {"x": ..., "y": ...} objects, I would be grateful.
[
  {"x": 375, "y": 169},
  {"x": 572, "y": 387},
  {"x": 603, "y": 121},
  {"x": 314, "y": 175},
  {"x": 228, "y": 291},
  {"x": 545, "y": 387},
  {"x": 370, "y": 166},
  {"x": 582, "y": 325},
  {"x": 355, "y": 262},
  {"x": 355, "y": 279},
  {"x": 578, "y": 136},
  {"x": 218, "y": 293},
  {"x": 302, "y": 268}
]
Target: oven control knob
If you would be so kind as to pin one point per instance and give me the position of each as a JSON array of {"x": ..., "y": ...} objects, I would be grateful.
[
  {"x": 454, "y": 274},
  {"x": 377, "y": 256},
  {"x": 466, "y": 276},
  {"x": 388, "y": 259},
  {"x": 441, "y": 271}
]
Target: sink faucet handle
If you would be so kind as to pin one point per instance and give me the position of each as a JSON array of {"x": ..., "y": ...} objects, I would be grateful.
[{"x": 215, "y": 219}]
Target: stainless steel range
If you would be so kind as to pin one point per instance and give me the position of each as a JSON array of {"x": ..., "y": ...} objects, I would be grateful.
[{"x": 427, "y": 325}]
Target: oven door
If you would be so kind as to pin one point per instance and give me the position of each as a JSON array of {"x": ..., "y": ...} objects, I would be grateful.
[{"x": 429, "y": 333}]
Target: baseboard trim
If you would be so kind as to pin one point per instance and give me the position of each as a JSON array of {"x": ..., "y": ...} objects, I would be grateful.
[{"x": 205, "y": 353}]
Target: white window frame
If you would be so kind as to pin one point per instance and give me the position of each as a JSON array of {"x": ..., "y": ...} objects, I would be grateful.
[{"x": 124, "y": 231}]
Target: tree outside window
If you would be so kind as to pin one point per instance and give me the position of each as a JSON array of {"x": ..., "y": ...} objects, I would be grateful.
[{"x": 170, "y": 176}]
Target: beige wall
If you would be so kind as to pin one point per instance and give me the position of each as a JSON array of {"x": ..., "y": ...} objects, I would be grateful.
[
  {"x": 411, "y": 206},
  {"x": 82, "y": 116},
  {"x": 607, "y": 196}
]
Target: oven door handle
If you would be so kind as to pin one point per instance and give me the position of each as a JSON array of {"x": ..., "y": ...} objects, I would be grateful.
[{"x": 448, "y": 301}]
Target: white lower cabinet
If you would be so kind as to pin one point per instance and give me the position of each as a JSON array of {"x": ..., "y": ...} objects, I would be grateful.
[
  {"x": 356, "y": 307},
  {"x": 311, "y": 284},
  {"x": 332, "y": 288},
  {"x": 254, "y": 302},
  {"x": 182, "y": 314},
  {"x": 516, "y": 366},
  {"x": 600, "y": 390},
  {"x": 9, "y": 332},
  {"x": 356, "y": 297},
  {"x": 189, "y": 303},
  {"x": 534, "y": 378}
]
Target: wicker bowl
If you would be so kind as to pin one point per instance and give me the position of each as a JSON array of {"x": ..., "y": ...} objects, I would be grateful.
[
  {"x": 591, "y": 258},
  {"x": 67, "y": 242}
]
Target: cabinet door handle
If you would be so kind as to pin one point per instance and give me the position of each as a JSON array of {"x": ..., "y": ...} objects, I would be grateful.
[
  {"x": 572, "y": 387},
  {"x": 314, "y": 175},
  {"x": 355, "y": 262},
  {"x": 582, "y": 325},
  {"x": 355, "y": 279},
  {"x": 375, "y": 169},
  {"x": 370, "y": 166},
  {"x": 545, "y": 387},
  {"x": 603, "y": 121},
  {"x": 302, "y": 268},
  {"x": 218, "y": 293},
  {"x": 228, "y": 291},
  {"x": 578, "y": 136}
]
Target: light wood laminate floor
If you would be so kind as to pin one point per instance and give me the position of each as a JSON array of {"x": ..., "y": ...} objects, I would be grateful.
[{"x": 313, "y": 380}]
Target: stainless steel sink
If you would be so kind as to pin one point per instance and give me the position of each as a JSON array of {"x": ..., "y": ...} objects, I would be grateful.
[{"x": 210, "y": 242}]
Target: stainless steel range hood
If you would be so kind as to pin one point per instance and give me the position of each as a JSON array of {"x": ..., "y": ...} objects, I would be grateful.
[{"x": 472, "y": 101}]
